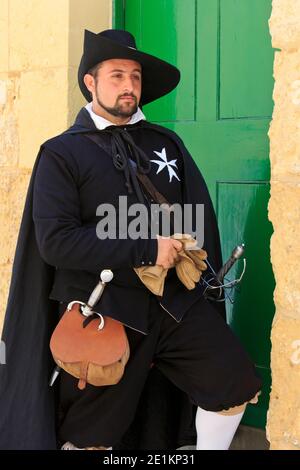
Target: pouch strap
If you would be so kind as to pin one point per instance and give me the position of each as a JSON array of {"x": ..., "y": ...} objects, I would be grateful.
[{"x": 83, "y": 375}]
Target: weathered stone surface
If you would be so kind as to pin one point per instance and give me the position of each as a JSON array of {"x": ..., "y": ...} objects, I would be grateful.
[
  {"x": 284, "y": 410},
  {"x": 75, "y": 98},
  {"x": 4, "y": 35},
  {"x": 5, "y": 275},
  {"x": 284, "y": 131},
  {"x": 284, "y": 24},
  {"x": 284, "y": 212},
  {"x": 43, "y": 109},
  {"x": 13, "y": 188},
  {"x": 38, "y": 34},
  {"x": 9, "y": 135}
]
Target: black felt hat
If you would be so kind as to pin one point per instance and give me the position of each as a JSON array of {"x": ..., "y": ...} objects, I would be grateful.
[{"x": 158, "y": 77}]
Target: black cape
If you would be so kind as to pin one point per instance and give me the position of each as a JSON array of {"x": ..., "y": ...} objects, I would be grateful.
[{"x": 165, "y": 417}]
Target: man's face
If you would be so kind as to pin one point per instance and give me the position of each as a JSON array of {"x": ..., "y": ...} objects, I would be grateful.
[{"x": 116, "y": 89}]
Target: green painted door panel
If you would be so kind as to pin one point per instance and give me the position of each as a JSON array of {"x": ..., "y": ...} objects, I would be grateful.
[
  {"x": 245, "y": 61},
  {"x": 222, "y": 110},
  {"x": 241, "y": 221},
  {"x": 141, "y": 16},
  {"x": 251, "y": 313}
]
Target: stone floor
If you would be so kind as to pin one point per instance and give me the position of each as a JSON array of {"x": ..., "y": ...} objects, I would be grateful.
[{"x": 246, "y": 438}]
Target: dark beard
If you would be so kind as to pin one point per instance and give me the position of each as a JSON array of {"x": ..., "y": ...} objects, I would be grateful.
[{"x": 116, "y": 110}]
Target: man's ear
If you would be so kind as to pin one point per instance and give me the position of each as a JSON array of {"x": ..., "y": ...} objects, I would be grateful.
[{"x": 89, "y": 82}]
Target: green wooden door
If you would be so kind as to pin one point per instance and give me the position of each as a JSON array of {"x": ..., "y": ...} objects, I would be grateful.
[{"x": 222, "y": 110}]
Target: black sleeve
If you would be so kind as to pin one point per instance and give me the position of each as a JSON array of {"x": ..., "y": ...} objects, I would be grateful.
[{"x": 63, "y": 240}]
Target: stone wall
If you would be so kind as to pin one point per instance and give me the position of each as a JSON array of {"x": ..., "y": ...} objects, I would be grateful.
[
  {"x": 40, "y": 48},
  {"x": 284, "y": 212}
]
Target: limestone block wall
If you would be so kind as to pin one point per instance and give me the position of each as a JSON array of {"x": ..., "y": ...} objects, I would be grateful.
[
  {"x": 40, "y": 48},
  {"x": 284, "y": 212}
]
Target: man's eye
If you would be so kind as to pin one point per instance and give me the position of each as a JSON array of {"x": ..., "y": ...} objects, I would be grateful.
[{"x": 118, "y": 75}]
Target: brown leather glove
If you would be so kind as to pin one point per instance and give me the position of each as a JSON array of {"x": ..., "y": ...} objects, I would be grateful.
[
  {"x": 153, "y": 277},
  {"x": 190, "y": 264},
  {"x": 189, "y": 267}
]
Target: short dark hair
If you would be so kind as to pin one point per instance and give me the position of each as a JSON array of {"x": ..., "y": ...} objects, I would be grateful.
[{"x": 94, "y": 70}]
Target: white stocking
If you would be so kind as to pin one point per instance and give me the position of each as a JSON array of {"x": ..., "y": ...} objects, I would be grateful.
[{"x": 214, "y": 430}]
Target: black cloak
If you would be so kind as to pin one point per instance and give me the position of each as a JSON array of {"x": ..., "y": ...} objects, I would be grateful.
[{"x": 165, "y": 417}]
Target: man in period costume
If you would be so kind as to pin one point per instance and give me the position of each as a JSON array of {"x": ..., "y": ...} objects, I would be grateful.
[{"x": 178, "y": 338}]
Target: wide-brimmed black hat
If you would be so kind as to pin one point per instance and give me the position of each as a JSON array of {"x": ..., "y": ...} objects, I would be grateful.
[{"x": 158, "y": 77}]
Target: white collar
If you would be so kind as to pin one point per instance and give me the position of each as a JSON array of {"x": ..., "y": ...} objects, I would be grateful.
[{"x": 102, "y": 123}]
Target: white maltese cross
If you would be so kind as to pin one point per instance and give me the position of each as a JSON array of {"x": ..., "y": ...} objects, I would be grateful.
[{"x": 165, "y": 163}]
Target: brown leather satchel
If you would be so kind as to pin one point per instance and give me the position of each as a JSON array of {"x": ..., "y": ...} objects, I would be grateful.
[{"x": 89, "y": 346}]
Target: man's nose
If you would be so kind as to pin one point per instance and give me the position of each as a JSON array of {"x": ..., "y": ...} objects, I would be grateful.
[{"x": 128, "y": 85}]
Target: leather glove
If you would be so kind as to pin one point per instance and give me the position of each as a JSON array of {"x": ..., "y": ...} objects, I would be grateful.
[
  {"x": 189, "y": 267},
  {"x": 153, "y": 277},
  {"x": 190, "y": 264}
]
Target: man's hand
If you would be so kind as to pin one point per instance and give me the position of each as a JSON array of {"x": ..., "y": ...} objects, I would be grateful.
[{"x": 167, "y": 252}]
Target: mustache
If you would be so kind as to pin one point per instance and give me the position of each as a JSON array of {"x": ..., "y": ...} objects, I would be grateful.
[{"x": 128, "y": 94}]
